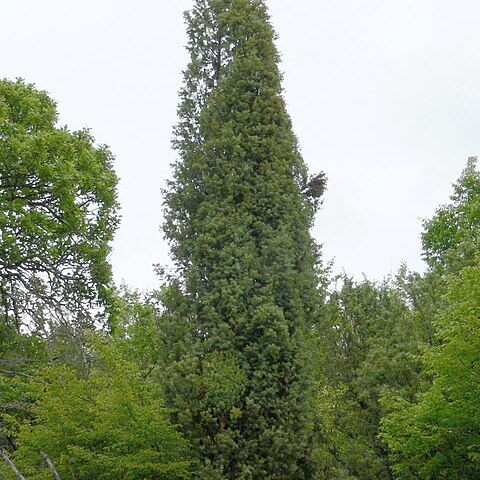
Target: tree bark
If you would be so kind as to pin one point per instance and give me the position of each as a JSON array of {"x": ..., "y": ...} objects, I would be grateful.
[
  {"x": 51, "y": 466},
  {"x": 12, "y": 466}
]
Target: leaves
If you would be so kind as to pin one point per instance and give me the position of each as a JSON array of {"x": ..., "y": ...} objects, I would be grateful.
[
  {"x": 111, "y": 425},
  {"x": 437, "y": 434},
  {"x": 57, "y": 213}
]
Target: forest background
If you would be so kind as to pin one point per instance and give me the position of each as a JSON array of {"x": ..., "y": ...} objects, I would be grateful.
[{"x": 251, "y": 360}]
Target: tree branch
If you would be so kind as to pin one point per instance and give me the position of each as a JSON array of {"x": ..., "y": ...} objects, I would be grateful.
[
  {"x": 50, "y": 465},
  {"x": 11, "y": 465}
]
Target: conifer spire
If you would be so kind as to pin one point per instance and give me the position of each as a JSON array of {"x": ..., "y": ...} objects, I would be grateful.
[{"x": 238, "y": 226}]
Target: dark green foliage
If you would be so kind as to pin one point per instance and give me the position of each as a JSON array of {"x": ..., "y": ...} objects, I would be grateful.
[
  {"x": 366, "y": 341},
  {"x": 268, "y": 376},
  {"x": 238, "y": 224},
  {"x": 57, "y": 214}
]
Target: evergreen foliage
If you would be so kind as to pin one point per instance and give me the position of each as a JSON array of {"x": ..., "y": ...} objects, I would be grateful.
[
  {"x": 244, "y": 365},
  {"x": 245, "y": 297},
  {"x": 367, "y": 340}
]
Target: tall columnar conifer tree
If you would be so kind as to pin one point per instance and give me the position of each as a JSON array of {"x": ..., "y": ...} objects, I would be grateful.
[{"x": 238, "y": 223}]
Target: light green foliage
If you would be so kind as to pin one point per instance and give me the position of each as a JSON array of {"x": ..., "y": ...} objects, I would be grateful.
[
  {"x": 267, "y": 379},
  {"x": 57, "y": 213},
  {"x": 451, "y": 238},
  {"x": 438, "y": 437},
  {"x": 111, "y": 425},
  {"x": 19, "y": 355},
  {"x": 423, "y": 293},
  {"x": 239, "y": 312},
  {"x": 57, "y": 216},
  {"x": 139, "y": 330}
]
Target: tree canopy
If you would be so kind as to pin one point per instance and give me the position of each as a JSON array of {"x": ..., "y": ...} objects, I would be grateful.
[
  {"x": 58, "y": 213},
  {"x": 437, "y": 435},
  {"x": 251, "y": 361},
  {"x": 111, "y": 425}
]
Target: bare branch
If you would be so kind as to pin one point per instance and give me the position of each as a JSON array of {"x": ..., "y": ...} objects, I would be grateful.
[
  {"x": 11, "y": 465},
  {"x": 50, "y": 465}
]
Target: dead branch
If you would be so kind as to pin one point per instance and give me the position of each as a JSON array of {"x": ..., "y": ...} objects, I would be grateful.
[
  {"x": 50, "y": 465},
  {"x": 13, "y": 468}
]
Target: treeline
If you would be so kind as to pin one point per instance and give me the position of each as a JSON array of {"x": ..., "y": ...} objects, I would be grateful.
[{"x": 251, "y": 361}]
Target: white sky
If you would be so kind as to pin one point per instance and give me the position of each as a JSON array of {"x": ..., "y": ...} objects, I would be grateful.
[{"x": 384, "y": 96}]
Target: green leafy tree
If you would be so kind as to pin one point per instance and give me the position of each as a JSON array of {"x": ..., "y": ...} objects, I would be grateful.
[
  {"x": 451, "y": 238},
  {"x": 112, "y": 425},
  {"x": 138, "y": 327},
  {"x": 367, "y": 340},
  {"x": 57, "y": 217},
  {"x": 245, "y": 293},
  {"x": 438, "y": 436},
  {"x": 57, "y": 214},
  {"x": 19, "y": 355}
]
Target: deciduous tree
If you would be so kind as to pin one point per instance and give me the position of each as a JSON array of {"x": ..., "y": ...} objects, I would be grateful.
[
  {"x": 111, "y": 425},
  {"x": 57, "y": 214}
]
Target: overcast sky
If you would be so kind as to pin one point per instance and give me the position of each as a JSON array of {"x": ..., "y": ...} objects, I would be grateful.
[{"x": 384, "y": 97}]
